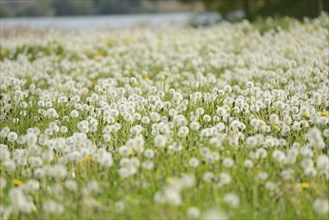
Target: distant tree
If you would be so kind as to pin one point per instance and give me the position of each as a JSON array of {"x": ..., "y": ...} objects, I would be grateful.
[
  {"x": 122, "y": 6},
  {"x": 254, "y": 8},
  {"x": 114, "y": 6},
  {"x": 26, "y": 8},
  {"x": 6, "y": 11},
  {"x": 293, "y": 8},
  {"x": 226, "y": 7},
  {"x": 34, "y": 9},
  {"x": 73, "y": 7}
]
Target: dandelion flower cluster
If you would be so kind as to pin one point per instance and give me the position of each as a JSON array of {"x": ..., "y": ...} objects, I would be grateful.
[{"x": 223, "y": 122}]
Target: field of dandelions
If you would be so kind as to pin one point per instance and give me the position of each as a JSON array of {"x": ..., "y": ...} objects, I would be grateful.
[{"x": 226, "y": 122}]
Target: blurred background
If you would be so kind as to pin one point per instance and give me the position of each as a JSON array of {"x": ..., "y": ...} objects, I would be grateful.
[
  {"x": 15, "y": 8},
  {"x": 122, "y": 13}
]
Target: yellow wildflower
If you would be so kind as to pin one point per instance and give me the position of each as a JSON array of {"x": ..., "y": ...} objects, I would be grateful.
[
  {"x": 87, "y": 157},
  {"x": 277, "y": 128},
  {"x": 110, "y": 42},
  {"x": 325, "y": 114},
  {"x": 129, "y": 40},
  {"x": 304, "y": 185},
  {"x": 170, "y": 180},
  {"x": 17, "y": 182},
  {"x": 4, "y": 53},
  {"x": 132, "y": 153},
  {"x": 305, "y": 115},
  {"x": 100, "y": 53}
]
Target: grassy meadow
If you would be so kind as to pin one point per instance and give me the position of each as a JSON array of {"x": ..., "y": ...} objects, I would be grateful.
[{"x": 224, "y": 122}]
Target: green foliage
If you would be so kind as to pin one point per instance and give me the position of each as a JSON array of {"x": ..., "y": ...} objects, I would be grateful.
[
  {"x": 251, "y": 8},
  {"x": 32, "y": 52},
  {"x": 121, "y": 7},
  {"x": 73, "y": 7},
  {"x": 43, "y": 9},
  {"x": 255, "y": 8},
  {"x": 264, "y": 25},
  {"x": 6, "y": 12},
  {"x": 292, "y": 8}
]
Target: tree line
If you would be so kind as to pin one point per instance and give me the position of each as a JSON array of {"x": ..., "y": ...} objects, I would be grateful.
[
  {"x": 13, "y": 8},
  {"x": 250, "y": 8},
  {"x": 256, "y": 8}
]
